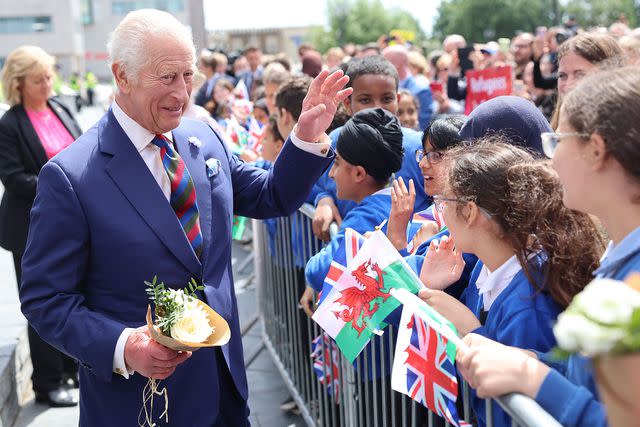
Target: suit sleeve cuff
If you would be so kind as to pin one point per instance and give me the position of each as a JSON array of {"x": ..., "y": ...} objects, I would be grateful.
[
  {"x": 119, "y": 366},
  {"x": 321, "y": 148}
]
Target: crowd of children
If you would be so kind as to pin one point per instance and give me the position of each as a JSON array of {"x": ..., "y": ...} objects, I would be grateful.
[{"x": 514, "y": 236}]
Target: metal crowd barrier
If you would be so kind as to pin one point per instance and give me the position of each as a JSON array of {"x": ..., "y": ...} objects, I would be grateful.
[{"x": 282, "y": 247}]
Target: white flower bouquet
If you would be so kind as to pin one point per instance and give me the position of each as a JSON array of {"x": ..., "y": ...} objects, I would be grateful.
[
  {"x": 183, "y": 322},
  {"x": 603, "y": 322},
  {"x": 603, "y": 318}
]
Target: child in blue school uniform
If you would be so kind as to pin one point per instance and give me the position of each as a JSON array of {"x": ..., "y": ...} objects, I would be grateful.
[
  {"x": 506, "y": 208},
  {"x": 369, "y": 151},
  {"x": 596, "y": 154},
  {"x": 375, "y": 85}
]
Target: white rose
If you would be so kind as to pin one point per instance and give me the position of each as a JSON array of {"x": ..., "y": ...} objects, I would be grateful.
[
  {"x": 193, "y": 326},
  {"x": 607, "y": 301},
  {"x": 575, "y": 332}
]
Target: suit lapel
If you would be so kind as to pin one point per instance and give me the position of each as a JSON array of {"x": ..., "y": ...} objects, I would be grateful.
[
  {"x": 195, "y": 163},
  {"x": 32, "y": 138},
  {"x": 135, "y": 181}
]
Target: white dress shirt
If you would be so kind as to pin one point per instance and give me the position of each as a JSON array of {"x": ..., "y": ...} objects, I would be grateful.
[
  {"x": 150, "y": 153},
  {"x": 491, "y": 284}
]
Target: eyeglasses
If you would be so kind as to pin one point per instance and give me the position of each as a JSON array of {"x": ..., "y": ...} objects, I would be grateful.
[
  {"x": 550, "y": 140},
  {"x": 432, "y": 156},
  {"x": 440, "y": 202}
]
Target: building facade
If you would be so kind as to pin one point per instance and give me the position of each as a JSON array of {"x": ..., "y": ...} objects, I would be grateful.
[{"x": 76, "y": 31}]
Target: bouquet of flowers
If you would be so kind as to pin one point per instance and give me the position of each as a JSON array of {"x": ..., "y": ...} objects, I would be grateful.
[
  {"x": 603, "y": 318},
  {"x": 603, "y": 322},
  {"x": 182, "y": 323}
]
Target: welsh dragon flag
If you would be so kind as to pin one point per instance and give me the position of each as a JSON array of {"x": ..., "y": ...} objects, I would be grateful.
[
  {"x": 360, "y": 299},
  {"x": 423, "y": 365}
]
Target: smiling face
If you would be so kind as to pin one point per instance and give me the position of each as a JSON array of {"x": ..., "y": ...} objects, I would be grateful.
[
  {"x": 434, "y": 172},
  {"x": 372, "y": 91},
  {"x": 161, "y": 91}
]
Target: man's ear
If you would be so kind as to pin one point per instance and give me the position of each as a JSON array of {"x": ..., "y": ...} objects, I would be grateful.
[{"x": 122, "y": 81}]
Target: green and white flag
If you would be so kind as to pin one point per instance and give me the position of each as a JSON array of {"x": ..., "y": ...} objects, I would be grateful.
[{"x": 360, "y": 301}]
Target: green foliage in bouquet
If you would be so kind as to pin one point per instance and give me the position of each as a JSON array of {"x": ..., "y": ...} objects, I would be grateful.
[{"x": 169, "y": 304}]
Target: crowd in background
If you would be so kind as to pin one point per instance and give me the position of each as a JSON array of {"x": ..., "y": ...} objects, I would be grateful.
[{"x": 413, "y": 103}]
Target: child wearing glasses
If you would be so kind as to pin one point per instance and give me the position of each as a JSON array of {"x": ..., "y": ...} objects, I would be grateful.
[
  {"x": 599, "y": 174},
  {"x": 534, "y": 253}
]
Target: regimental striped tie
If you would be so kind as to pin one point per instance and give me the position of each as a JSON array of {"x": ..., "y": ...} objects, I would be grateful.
[{"x": 183, "y": 192}]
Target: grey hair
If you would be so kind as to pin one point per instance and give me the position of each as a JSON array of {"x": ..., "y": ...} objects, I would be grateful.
[
  {"x": 275, "y": 73},
  {"x": 127, "y": 43}
]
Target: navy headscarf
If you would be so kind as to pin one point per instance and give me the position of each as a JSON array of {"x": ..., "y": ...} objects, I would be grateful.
[{"x": 512, "y": 116}]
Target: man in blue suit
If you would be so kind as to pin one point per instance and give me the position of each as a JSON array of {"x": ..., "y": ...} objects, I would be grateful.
[{"x": 104, "y": 221}]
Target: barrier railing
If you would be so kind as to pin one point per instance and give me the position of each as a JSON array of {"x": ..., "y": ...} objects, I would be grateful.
[{"x": 347, "y": 396}]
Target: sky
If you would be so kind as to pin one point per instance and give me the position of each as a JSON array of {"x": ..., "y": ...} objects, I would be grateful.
[{"x": 234, "y": 14}]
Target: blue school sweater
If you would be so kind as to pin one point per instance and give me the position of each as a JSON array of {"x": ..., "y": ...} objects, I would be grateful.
[
  {"x": 568, "y": 392},
  {"x": 366, "y": 216},
  {"x": 412, "y": 141},
  {"x": 521, "y": 316}
]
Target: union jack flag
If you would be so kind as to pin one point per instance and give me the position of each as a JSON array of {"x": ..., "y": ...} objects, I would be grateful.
[
  {"x": 429, "y": 370},
  {"x": 326, "y": 363},
  {"x": 348, "y": 249}
]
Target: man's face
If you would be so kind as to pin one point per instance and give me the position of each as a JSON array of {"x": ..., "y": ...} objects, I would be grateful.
[
  {"x": 160, "y": 94},
  {"x": 254, "y": 58},
  {"x": 522, "y": 49},
  {"x": 372, "y": 91}
]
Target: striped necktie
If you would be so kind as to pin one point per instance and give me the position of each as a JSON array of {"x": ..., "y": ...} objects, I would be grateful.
[{"x": 183, "y": 192}]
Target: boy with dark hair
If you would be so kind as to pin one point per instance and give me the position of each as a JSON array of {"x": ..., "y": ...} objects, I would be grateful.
[
  {"x": 289, "y": 103},
  {"x": 375, "y": 84}
]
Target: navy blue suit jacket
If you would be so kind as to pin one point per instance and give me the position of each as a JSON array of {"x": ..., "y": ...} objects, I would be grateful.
[{"x": 101, "y": 226}]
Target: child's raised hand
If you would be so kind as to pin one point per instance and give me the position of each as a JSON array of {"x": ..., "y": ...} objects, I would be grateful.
[
  {"x": 443, "y": 264},
  {"x": 402, "y": 204}
]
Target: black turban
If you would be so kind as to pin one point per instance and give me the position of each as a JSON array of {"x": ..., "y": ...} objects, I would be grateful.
[{"x": 372, "y": 138}]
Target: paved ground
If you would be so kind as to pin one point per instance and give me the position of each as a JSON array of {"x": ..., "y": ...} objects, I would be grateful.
[{"x": 266, "y": 388}]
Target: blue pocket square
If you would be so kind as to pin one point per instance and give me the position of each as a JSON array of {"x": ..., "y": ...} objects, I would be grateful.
[{"x": 213, "y": 167}]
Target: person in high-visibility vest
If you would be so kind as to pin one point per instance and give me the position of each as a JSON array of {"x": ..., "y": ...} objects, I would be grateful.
[
  {"x": 76, "y": 84},
  {"x": 91, "y": 81}
]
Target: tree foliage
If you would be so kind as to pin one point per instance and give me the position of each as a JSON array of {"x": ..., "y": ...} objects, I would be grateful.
[
  {"x": 601, "y": 12},
  {"x": 484, "y": 20},
  {"x": 361, "y": 22}
]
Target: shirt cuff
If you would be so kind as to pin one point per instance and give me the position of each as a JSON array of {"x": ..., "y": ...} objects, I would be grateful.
[
  {"x": 119, "y": 366},
  {"x": 321, "y": 148}
]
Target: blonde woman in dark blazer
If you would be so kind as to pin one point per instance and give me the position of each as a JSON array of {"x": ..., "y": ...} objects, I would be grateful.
[{"x": 35, "y": 129}]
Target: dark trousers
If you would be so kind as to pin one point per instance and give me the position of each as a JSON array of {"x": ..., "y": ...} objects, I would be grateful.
[
  {"x": 50, "y": 366},
  {"x": 234, "y": 411}
]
